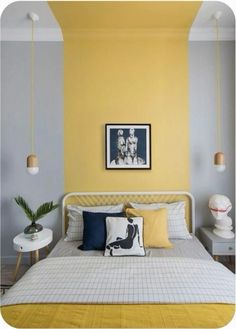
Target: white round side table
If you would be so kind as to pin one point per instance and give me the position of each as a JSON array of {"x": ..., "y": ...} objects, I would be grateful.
[{"x": 21, "y": 244}]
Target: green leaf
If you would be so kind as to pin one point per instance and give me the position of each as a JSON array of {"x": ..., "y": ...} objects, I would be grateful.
[
  {"x": 23, "y": 204},
  {"x": 44, "y": 209}
]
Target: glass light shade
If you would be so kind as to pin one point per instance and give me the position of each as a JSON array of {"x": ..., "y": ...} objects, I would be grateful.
[
  {"x": 219, "y": 161},
  {"x": 220, "y": 168},
  {"x": 33, "y": 170},
  {"x": 32, "y": 164}
]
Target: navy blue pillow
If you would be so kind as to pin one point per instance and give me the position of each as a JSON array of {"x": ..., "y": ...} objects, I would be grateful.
[{"x": 95, "y": 233}]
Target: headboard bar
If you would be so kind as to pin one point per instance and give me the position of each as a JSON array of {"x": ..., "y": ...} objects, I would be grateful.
[{"x": 97, "y": 198}]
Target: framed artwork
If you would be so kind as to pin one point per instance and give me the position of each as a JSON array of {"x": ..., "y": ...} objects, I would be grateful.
[{"x": 128, "y": 146}]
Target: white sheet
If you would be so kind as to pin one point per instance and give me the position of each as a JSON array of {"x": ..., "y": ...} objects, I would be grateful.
[
  {"x": 123, "y": 280},
  {"x": 181, "y": 248}
]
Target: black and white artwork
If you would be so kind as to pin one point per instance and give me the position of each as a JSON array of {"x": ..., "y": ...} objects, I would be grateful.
[
  {"x": 128, "y": 146},
  {"x": 124, "y": 236}
]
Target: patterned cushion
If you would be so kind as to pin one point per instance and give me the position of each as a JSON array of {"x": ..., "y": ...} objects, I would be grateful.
[
  {"x": 76, "y": 225},
  {"x": 177, "y": 227},
  {"x": 124, "y": 236}
]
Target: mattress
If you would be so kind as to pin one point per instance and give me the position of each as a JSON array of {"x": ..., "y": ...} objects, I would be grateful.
[
  {"x": 123, "y": 280},
  {"x": 46, "y": 314},
  {"x": 191, "y": 248}
]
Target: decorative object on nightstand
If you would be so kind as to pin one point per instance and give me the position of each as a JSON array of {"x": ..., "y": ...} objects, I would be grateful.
[
  {"x": 220, "y": 205},
  {"x": 22, "y": 244},
  {"x": 216, "y": 245},
  {"x": 42, "y": 210}
]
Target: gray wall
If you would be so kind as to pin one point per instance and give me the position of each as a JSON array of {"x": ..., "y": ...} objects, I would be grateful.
[
  {"x": 205, "y": 181},
  {"x": 48, "y": 184}
]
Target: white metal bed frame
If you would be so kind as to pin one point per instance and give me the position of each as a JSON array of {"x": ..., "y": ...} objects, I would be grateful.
[{"x": 189, "y": 195}]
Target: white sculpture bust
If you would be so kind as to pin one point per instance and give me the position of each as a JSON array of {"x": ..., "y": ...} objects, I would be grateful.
[{"x": 220, "y": 205}]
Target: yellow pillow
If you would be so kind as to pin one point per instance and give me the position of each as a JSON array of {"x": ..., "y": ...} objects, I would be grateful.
[{"x": 155, "y": 226}]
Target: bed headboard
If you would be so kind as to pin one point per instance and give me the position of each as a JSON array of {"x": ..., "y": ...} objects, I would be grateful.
[{"x": 103, "y": 198}]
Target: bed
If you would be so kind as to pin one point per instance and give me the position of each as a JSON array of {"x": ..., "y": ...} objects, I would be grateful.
[{"x": 181, "y": 287}]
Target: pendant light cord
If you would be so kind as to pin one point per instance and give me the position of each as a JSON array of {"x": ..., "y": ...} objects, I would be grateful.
[
  {"x": 32, "y": 88},
  {"x": 218, "y": 87}
]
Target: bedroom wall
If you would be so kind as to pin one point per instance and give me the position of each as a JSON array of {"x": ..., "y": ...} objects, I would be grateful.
[
  {"x": 125, "y": 64},
  {"x": 109, "y": 78},
  {"x": 126, "y": 79},
  {"x": 204, "y": 180},
  {"x": 48, "y": 184}
]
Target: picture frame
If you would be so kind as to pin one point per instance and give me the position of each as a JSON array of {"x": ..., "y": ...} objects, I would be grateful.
[{"x": 128, "y": 146}]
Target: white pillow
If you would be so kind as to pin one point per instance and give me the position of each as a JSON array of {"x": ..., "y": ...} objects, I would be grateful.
[
  {"x": 76, "y": 225},
  {"x": 124, "y": 236},
  {"x": 177, "y": 227}
]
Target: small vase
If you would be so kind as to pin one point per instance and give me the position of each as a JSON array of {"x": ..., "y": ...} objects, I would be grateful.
[{"x": 33, "y": 228}]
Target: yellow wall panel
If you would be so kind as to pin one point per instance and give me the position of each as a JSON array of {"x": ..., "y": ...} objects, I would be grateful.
[
  {"x": 125, "y": 78},
  {"x": 126, "y": 81}
]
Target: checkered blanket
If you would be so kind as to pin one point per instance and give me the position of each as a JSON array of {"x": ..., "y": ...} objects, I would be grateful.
[{"x": 123, "y": 280}]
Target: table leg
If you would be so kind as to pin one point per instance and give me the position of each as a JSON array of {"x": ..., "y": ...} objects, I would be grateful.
[
  {"x": 31, "y": 258},
  {"x": 36, "y": 256},
  {"x": 19, "y": 255},
  {"x": 47, "y": 249},
  {"x": 216, "y": 258}
]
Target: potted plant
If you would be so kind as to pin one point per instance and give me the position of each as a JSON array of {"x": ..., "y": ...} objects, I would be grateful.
[{"x": 42, "y": 210}]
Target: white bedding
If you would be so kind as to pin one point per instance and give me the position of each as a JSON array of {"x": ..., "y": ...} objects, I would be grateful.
[
  {"x": 123, "y": 280},
  {"x": 181, "y": 248}
]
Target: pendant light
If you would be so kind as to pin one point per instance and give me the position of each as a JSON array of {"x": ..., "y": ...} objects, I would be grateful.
[
  {"x": 32, "y": 160},
  {"x": 219, "y": 157}
]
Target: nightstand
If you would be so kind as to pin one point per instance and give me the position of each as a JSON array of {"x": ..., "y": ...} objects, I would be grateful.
[
  {"x": 216, "y": 245},
  {"x": 23, "y": 244}
]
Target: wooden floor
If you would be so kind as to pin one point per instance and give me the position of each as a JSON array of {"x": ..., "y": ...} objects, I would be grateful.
[
  {"x": 7, "y": 275},
  {"x": 229, "y": 265}
]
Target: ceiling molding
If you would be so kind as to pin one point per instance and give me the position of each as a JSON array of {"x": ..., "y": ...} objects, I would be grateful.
[
  {"x": 126, "y": 33},
  {"x": 54, "y": 34},
  {"x": 24, "y": 34},
  {"x": 209, "y": 34}
]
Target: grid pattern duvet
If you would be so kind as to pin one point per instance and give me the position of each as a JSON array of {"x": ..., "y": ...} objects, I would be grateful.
[
  {"x": 137, "y": 280},
  {"x": 191, "y": 248}
]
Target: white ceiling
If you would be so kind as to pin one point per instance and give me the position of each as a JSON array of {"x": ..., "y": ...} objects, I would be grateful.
[
  {"x": 203, "y": 27},
  {"x": 208, "y": 8},
  {"x": 16, "y": 26}
]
